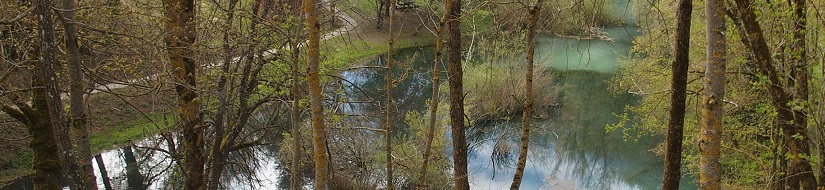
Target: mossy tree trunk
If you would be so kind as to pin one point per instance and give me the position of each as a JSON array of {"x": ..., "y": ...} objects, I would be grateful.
[
  {"x": 528, "y": 95},
  {"x": 48, "y": 90},
  {"x": 800, "y": 166},
  {"x": 319, "y": 144},
  {"x": 180, "y": 36},
  {"x": 38, "y": 117},
  {"x": 678, "y": 86}
]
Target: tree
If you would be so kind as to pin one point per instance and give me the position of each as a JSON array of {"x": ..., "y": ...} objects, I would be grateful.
[
  {"x": 678, "y": 86},
  {"x": 104, "y": 175},
  {"x": 800, "y": 167},
  {"x": 382, "y": 10},
  {"x": 79, "y": 129},
  {"x": 434, "y": 101},
  {"x": 295, "y": 114},
  {"x": 315, "y": 100},
  {"x": 51, "y": 143},
  {"x": 216, "y": 159},
  {"x": 455, "y": 73},
  {"x": 245, "y": 83},
  {"x": 710, "y": 169},
  {"x": 47, "y": 167},
  {"x": 528, "y": 95},
  {"x": 389, "y": 112},
  {"x": 180, "y": 37},
  {"x": 799, "y": 172}
]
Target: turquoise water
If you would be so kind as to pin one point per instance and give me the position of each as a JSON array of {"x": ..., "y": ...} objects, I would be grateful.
[{"x": 571, "y": 149}]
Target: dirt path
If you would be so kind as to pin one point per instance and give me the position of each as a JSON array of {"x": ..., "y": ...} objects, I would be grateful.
[{"x": 349, "y": 25}]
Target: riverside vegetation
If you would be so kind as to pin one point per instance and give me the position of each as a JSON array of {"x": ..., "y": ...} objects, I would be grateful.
[{"x": 185, "y": 85}]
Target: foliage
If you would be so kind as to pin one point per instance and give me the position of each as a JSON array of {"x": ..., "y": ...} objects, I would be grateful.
[
  {"x": 749, "y": 142},
  {"x": 410, "y": 151}
]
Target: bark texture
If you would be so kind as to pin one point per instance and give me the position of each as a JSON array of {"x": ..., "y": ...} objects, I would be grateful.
[
  {"x": 180, "y": 36},
  {"x": 315, "y": 100},
  {"x": 678, "y": 88},
  {"x": 710, "y": 169},
  {"x": 799, "y": 163},
  {"x": 47, "y": 167},
  {"x": 454, "y": 71},
  {"x": 77, "y": 112}
]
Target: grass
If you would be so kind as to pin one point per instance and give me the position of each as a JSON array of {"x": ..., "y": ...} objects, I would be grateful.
[
  {"x": 128, "y": 131},
  {"x": 497, "y": 92}
]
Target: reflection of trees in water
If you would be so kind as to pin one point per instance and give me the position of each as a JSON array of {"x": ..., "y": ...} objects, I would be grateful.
[
  {"x": 149, "y": 165},
  {"x": 600, "y": 159},
  {"x": 355, "y": 101},
  {"x": 134, "y": 179},
  {"x": 571, "y": 146}
]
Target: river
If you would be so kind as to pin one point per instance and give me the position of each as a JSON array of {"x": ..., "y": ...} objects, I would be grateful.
[{"x": 570, "y": 149}]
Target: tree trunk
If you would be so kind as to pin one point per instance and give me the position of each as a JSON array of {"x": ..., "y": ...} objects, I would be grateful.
[
  {"x": 528, "y": 102},
  {"x": 48, "y": 82},
  {"x": 180, "y": 37},
  {"x": 389, "y": 112},
  {"x": 315, "y": 99},
  {"x": 678, "y": 85},
  {"x": 295, "y": 181},
  {"x": 46, "y": 158},
  {"x": 800, "y": 163},
  {"x": 800, "y": 171},
  {"x": 710, "y": 169},
  {"x": 79, "y": 130},
  {"x": 821, "y": 131},
  {"x": 379, "y": 13},
  {"x": 454, "y": 71},
  {"x": 104, "y": 175},
  {"x": 434, "y": 101}
]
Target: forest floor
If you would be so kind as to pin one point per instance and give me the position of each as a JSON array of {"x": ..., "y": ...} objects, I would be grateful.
[{"x": 126, "y": 113}]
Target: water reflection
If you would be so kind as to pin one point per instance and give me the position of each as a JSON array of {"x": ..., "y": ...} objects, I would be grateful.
[
  {"x": 134, "y": 179},
  {"x": 569, "y": 150}
]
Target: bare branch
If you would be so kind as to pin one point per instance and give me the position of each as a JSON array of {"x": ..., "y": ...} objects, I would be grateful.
[{"x": 18, "y": 17}]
